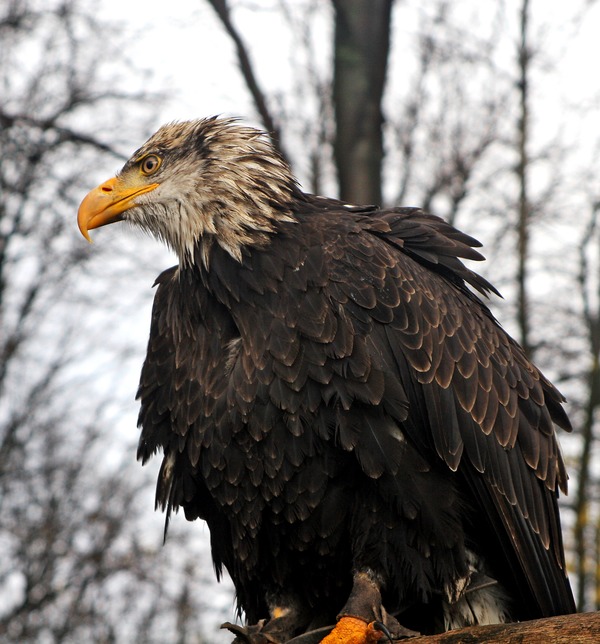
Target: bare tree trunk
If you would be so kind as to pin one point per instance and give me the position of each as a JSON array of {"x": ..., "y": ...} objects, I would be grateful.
[
  {"x": 582, "y": 495},
  {"x": 362, "y": 37},
  {"x": 597, "y": 568},
  {"x": 584, "y": 484},
  {"x": 524, "y": 56}
]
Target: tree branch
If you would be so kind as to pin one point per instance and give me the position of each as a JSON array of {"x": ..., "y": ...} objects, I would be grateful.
[
  {"x": 566, "y": 629},
  {"x": 583, "y": 629},
  {"x": 222, "y": 10}
]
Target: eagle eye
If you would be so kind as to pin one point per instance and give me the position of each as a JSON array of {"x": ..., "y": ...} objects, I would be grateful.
[{"x": 150, "y": 164}]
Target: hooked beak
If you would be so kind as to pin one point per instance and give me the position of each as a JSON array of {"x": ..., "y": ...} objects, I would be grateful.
[{"x": 106, "y": 203}]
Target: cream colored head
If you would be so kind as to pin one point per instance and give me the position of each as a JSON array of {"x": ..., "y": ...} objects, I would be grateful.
[{"x": 195, "y": 183}]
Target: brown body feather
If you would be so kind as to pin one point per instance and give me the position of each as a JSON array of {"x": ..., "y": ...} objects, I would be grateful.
[
  {"x": 334, "y": 399},
  {"x": 338, "y": 400}
]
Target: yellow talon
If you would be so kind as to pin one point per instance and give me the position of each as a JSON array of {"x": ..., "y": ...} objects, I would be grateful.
[{"x": 352, "y": 630}]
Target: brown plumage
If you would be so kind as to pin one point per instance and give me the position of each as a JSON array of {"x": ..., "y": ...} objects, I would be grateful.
[{"x": 335, "y": 401}]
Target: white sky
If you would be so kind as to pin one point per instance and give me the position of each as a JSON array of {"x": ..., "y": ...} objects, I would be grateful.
[{"x": 184, "y": 45}]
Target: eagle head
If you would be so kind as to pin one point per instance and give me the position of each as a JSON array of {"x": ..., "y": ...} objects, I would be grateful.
[{"x": 198, "y": 182}]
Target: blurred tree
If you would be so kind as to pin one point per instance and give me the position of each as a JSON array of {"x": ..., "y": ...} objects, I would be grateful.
[
  {"x": 522, "y": 170},
  {"x": 362, "y": 40},
  {"x": 584, "y": 498},
  {"x": 75, "y": 563}
]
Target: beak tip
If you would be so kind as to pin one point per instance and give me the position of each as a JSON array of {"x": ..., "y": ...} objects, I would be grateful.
[{"x": 85, "y": 233}]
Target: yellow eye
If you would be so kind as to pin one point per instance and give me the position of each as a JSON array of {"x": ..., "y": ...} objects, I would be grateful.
[{"x": 150, "y": 164}]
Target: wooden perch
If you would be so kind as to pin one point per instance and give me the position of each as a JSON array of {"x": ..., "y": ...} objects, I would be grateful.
[
  {"x": 583, "y": 628},
  {"x": 580, "y": 629}
]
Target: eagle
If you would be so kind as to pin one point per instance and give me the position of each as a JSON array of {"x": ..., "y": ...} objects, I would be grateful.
[{"x": 371, "y": 451}]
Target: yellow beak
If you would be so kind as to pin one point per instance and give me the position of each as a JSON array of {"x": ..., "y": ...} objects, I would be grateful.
[{"x": 106, "y": 203}]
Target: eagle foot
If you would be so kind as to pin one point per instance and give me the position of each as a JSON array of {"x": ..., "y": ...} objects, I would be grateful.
[
  {"x": 363, "y": 619},
  {"x": 277, "y": 630},
  {"x": 253, "y": 634},
  {"x": 354, "y": 630}
]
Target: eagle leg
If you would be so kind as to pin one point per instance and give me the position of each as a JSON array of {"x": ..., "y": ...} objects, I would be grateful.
[{"x": 364, "y": 620}]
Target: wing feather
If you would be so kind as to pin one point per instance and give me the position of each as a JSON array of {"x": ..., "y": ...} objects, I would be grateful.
[
  {"x": 357, "y": 330},
  {"x": 483, "y": 400}
]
